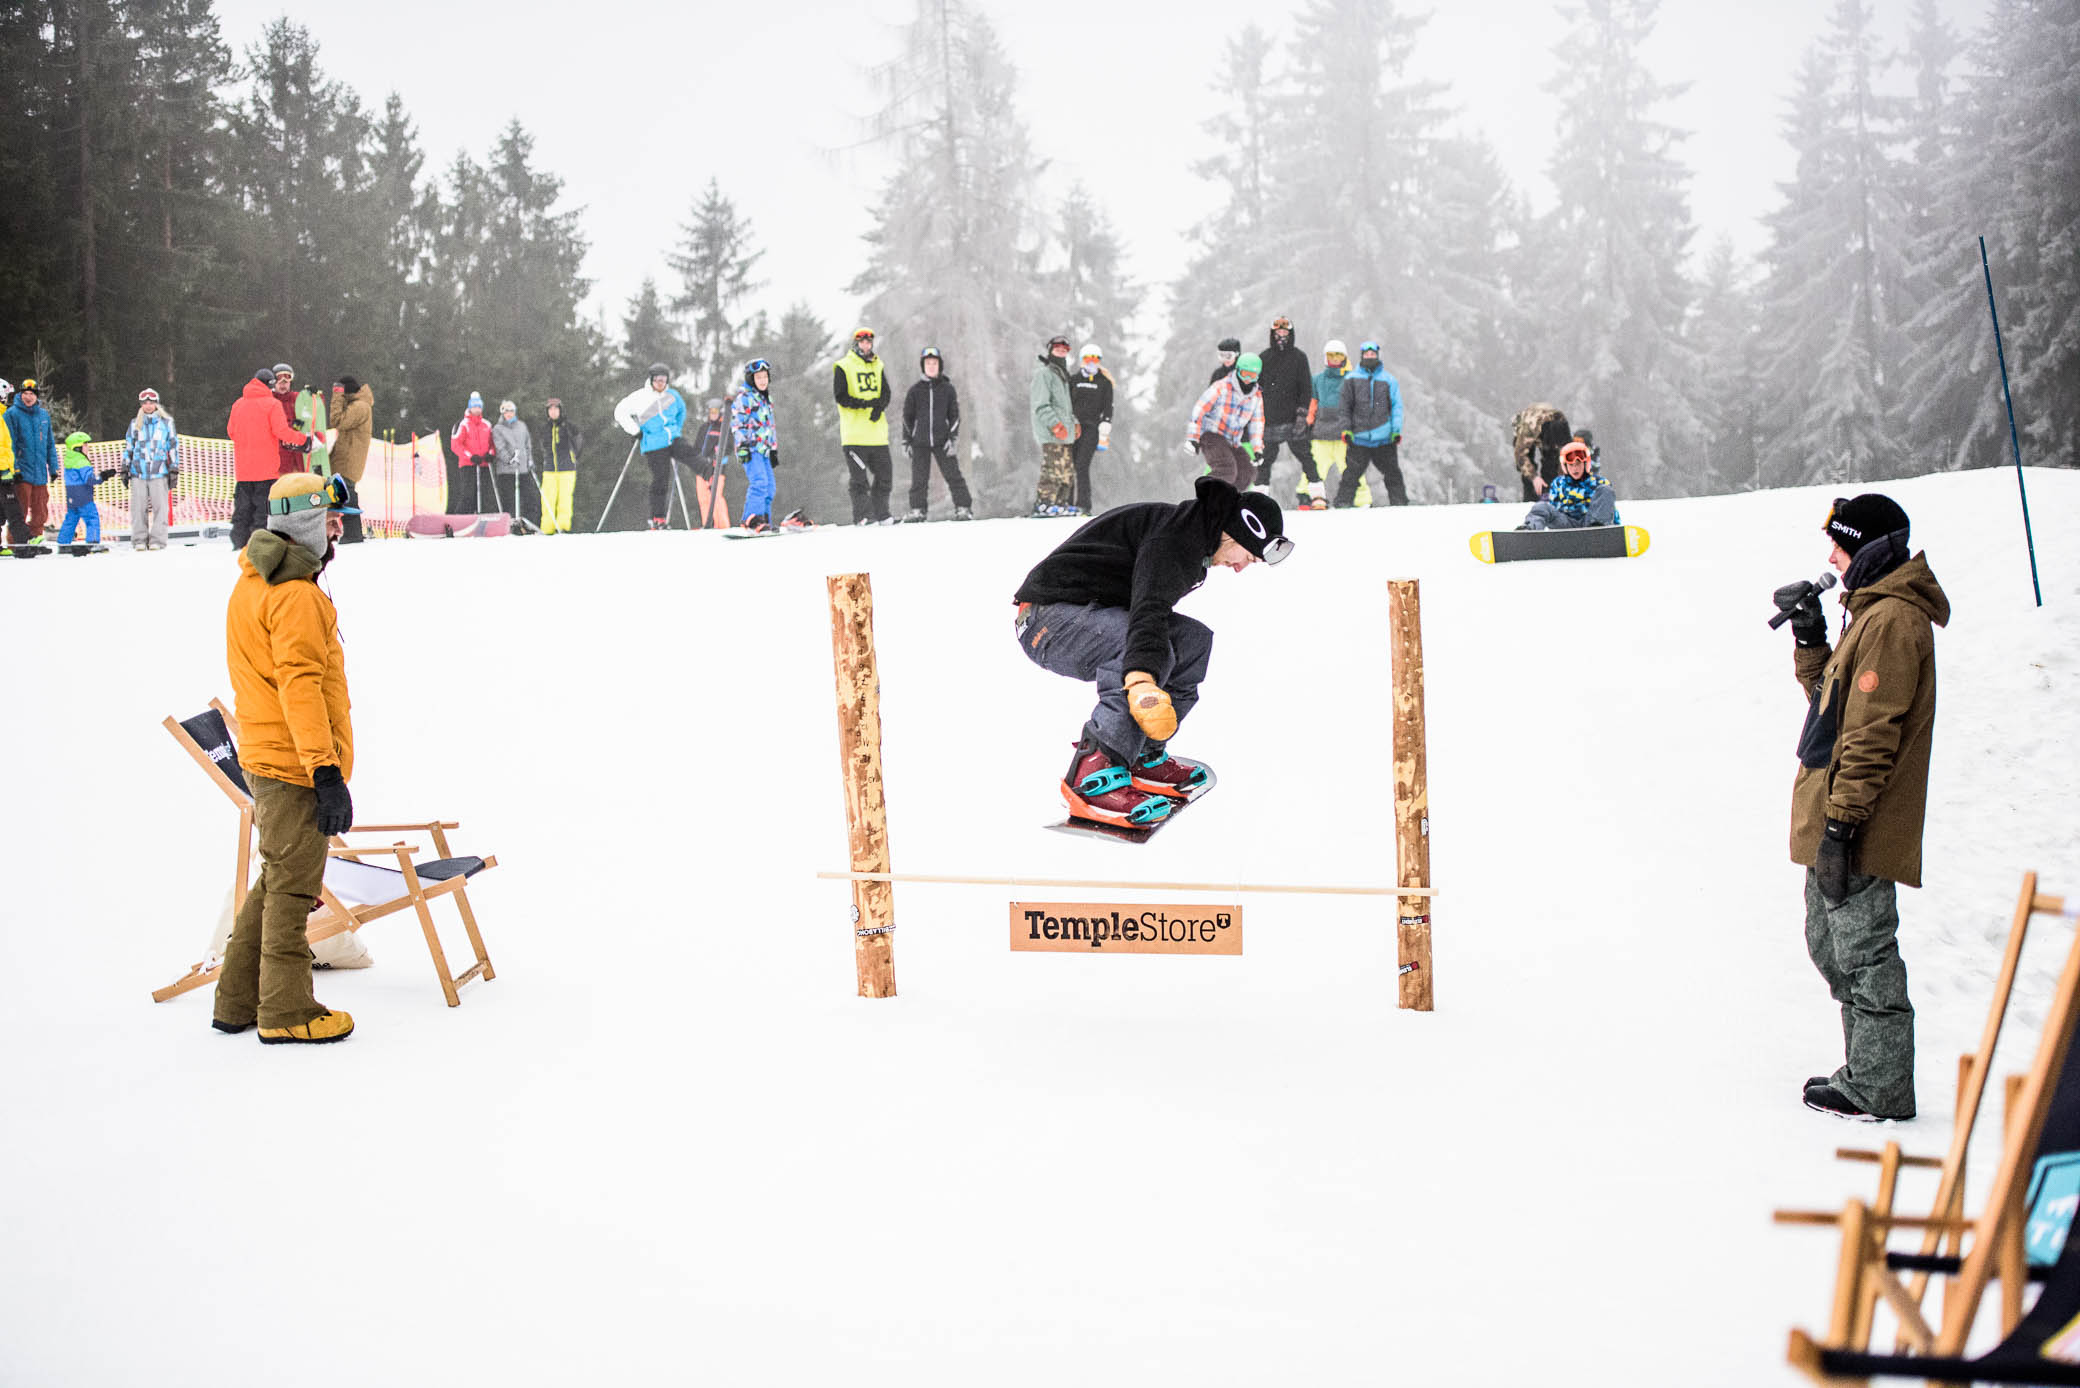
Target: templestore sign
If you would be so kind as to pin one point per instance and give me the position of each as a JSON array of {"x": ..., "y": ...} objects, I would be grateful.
[{"x": 1060, "y": 927}]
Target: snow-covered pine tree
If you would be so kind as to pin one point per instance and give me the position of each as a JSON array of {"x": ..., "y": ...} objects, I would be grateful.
[
  {"x": 953, "y": 255},
  {"x": 714, "y": 261},
  {"x": 1835, "y": 272},
  {"x": 1610, "y": 304},
  {"x": 648, "y": 335},
  {"x": 1724, "y": 390},
  {"x": 1091, "y": 283}
]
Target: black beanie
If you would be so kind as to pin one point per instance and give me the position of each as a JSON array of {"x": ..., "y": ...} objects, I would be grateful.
[{"x": 1854, "y": 523}]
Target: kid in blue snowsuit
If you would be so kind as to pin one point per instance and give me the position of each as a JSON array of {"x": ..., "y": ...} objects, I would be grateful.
[
  {"x": 758, "y": 444},
  {"x": 1578, "y": 495},
  {"x": 79, "y": 492}
]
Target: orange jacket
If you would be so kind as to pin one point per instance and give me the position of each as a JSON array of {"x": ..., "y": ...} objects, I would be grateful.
[
  {"x": 288, "y": 673},
  {"x": 257, "y": 432}
]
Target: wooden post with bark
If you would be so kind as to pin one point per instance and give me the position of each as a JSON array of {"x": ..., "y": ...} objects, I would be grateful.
[
  {"x": 1411, "y": 792},
  {"x": 866, "y": 811}
]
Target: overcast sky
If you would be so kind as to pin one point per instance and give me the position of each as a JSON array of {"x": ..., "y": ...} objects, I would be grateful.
[{"x": 769, "y": 99}]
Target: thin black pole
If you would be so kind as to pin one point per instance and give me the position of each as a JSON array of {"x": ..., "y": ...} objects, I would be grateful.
[{"x": 2014, "y": 439}]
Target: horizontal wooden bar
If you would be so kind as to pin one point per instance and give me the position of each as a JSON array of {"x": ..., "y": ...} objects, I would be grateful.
[
  {"x": 1947, "y": 1225},
  {"x": 469, "y": 973},
  {"x": 1859, "y": 1154},
  {"x": 2051, "y": 905},
  {"x": 387, "y": 852},
  {"x": 397, "y": 828},
  {"x": 957, "y": 880}
]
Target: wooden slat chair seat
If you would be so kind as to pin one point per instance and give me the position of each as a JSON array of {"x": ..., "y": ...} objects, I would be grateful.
[
  {"x": 355, "y": 890},
  {"x": 2020, "y": 1238}
]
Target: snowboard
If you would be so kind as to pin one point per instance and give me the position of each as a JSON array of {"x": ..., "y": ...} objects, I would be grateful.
[
  {"x": 78, "y": 551},
  {"x": 738, "y": 532},
  {"x": 26, "y": 551},
  {"x": 1134, "y": 833},
  {"x": 1588, "y": 542}
]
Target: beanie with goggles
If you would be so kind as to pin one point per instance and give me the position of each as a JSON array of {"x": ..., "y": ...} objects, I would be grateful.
[{"x": 297, "y": 505}]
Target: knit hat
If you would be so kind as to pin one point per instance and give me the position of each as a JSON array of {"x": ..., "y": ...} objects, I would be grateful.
[
  {"x": 1252, "y": 519},
  {"x": 303, "y": 524},
  {"x": 282, "y": 368},
  {"x": 1854, "y": 523},
  {"x": 554, "y": 404},
  {"x": 476, "y": 401}
]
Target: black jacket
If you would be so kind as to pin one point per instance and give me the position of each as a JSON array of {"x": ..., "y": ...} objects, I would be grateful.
[
  {"x": 1091, "y": 398},
  {"x": 932, "y": 412},
  {"x": 1288, "y": 386},
  {"x": 560, "y": 439},
  {"x": 1142, "y": 557}
]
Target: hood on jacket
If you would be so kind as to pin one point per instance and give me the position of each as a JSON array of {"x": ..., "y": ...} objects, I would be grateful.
[
  {"x": 279, "y": 559},
  {"x": 256, "y": 391},
  {"x": 1912, "y": 582}
]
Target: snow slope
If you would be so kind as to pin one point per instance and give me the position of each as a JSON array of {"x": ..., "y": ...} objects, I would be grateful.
[{"x": 668, "y": 1144}]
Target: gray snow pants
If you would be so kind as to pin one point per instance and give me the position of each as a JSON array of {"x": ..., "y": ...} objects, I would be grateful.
[
  {"x": 1546, "y": 516},
  {"x": 1087, "y": 642},
  {"x": 1856, "y": 948},
  {"x": 147, "y": 512}
]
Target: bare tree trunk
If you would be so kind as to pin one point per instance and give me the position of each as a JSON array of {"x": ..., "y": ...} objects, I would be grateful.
[
  {"x": 170, "y": 327},
  {"x": 90, "y": 264}
]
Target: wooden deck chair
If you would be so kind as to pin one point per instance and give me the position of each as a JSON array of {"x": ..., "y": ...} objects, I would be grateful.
[
  {"x": 1973, "y": 1070},
  {"x": 359, "y": 886},
  {"x": 2026, "y": 1220}
]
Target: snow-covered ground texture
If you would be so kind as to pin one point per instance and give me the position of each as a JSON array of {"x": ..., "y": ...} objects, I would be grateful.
[{"x": 669, "y": 1145}]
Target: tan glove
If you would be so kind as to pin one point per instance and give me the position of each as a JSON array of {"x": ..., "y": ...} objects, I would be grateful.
[{"x": 1150, "y": 705}]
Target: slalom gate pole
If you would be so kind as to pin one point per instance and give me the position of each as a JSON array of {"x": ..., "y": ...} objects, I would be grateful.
[
  {"x": 607, "y": 509},
  {"x": 866, "y": 810},
  {"x": 2014, "y": 439},
  {"x": 1411, "y": 793}
]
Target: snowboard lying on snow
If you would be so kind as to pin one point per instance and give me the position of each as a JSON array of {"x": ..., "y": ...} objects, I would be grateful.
[{"x": 1588, "y": 542}]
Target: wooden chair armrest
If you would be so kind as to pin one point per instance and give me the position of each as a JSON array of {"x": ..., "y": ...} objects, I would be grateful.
[
  {"x": 397, "y": 828},
  {"x": 404, "y": 851},
  {"x": 1948, "y": 1225}
]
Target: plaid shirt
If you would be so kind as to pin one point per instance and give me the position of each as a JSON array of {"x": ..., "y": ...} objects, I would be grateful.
[{"x": 1226, "y": 411}]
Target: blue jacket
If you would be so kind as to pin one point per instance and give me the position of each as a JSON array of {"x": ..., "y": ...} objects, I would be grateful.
[
  {"x": 79, "y": 468},
  {"x": 150, "y": 447},
  {"x": 752, "y": 419},
  {"x": 35, "y": 444},
  {"x": 1371, "y": 403},
  {"x": 656, "y": 415},
  {"x": 1563, "y": 493}
]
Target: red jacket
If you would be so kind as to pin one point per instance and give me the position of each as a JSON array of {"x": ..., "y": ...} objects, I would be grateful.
[
  {"x": 471, "y": 441},
  {"x": 258, "y": 433}
]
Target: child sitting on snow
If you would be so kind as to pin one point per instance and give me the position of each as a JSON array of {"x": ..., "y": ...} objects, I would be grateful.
[
  {"x": 80, "y": 477},
  {"x": 1577, "y": 497}
]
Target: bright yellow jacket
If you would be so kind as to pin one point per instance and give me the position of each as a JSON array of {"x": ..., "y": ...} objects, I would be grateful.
[
  {"x": 288, "y": 673},
  {"x": 861, "y": 389},
  {"x": 7, "y": 454}
]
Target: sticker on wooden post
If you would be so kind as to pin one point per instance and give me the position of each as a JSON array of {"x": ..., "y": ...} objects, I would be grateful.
[{"x": 1066, "y": 927}]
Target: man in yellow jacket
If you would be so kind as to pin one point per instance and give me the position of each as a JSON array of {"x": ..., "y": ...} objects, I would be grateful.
[
  {"x": 296, "y": 744},
  {"x": 859, "y": 383}
]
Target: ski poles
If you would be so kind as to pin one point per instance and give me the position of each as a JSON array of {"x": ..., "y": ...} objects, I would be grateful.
[{"x": 608, "y": 508}]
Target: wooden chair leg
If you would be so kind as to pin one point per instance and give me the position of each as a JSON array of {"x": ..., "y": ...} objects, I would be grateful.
[
  {"x": 469, "y": 924},
  {"x": 433, "y": 939},
  {"x": 1848, "y": 1277},
  {"x": 2010, "y": 1261},
  {"x": 1888, "y": 1184}
]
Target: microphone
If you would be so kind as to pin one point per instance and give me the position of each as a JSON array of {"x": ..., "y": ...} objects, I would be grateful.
[{"x": 1794, "y": 595}]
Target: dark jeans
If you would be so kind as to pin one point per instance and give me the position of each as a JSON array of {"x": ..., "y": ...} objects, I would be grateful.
[
  {"x": 1087, "y": 642},
  {"x": 869, "y": 476},
  {"x": 660, "y": 483},
  {"x": 1855, "y": 946},
  {"x": 1384, "y": 456},
  {"x": 1303, "y": 449},
  {"x": 267, "y": 965},
  {"x": 248, "y": 510},
  {"x": 1080, "y": 454},
  {"x": 921, "y": 475}
]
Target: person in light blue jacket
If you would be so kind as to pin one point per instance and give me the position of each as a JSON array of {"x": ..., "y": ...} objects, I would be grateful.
[
  {"x": 152, "y": 461},
  {"x": 655, "y": 414},
  {"x": 1371, "y": 402}
]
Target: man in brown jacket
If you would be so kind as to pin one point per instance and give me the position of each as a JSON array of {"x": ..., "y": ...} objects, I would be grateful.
[
  {"x": 296, "y": 743},
  {"x": 1862, "y": 787},
  {"x": 353, "y": 423}
]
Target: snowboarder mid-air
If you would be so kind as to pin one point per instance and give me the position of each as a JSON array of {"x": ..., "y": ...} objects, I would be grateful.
[{"x": 1101, "y": 608}]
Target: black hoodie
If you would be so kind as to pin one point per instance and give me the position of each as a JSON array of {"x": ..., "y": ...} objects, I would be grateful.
[
  {"x": 932, "y": 411},
  {"x": 1287, "y": 387},
  {"x": 1143, "y": 557}
]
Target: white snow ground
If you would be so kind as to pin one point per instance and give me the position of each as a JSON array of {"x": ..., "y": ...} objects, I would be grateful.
[{"x": 668, "y": 1144}]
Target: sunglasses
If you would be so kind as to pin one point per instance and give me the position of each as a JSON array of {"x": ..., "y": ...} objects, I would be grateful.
[
  {"x": 1276, "y": 551},
  {"x": 333, "y": 496}
]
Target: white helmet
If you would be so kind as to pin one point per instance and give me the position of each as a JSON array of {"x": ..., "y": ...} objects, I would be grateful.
[
  {"x": 1090, "y": 349},
  {"x": 1334, "y": 348},
  {"x": 6, "y": 390}
]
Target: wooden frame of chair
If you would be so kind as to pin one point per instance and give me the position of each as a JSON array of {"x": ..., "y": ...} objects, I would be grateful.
[
  {"x": 1973, "y": 1069},
  {"x": 338, "y": 916},
  {"x": 1995, "y": 1239}
]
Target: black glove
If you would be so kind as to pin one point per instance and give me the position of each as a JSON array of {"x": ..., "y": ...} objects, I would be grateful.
[
  {"x": 173, "y": 477},
  {"x": 1833, "y": 863},
  {"x": 335, "y": 806},
  {"x": 773, "y": 456},
  {"x": 702, "y": 468},
  {"x": 874, "y": 415},
  {"x": 1263, "y": 474},
  {"x": 1802, "y": 602}
]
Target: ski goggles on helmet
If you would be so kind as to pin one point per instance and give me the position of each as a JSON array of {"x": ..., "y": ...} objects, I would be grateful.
[
  {"x": 1575, "y": 453},
  {"x": 333, "y": 496},
  {"x": 757, "y": 365},
  {"x": 1281, "y": 324},
  {"x": 1276, "y": 549},
  {"x": 151, "y": 395}
]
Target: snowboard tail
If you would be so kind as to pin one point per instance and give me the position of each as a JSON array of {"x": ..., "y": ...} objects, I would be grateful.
[{"x": 1587, "y": 542}]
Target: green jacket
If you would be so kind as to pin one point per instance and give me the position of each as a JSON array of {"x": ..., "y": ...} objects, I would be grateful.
[
  {"x": 1871, "y": 725},
  {"x": 1051, "y": 402}
]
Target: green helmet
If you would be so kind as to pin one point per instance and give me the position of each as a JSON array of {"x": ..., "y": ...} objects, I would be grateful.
[{"x": 1250, "y": 362}]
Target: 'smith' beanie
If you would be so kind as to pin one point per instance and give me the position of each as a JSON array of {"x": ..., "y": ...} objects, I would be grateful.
[{"x": 1854, "y": 523}]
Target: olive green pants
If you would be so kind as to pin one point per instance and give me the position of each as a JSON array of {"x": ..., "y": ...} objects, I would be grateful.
[
  {"x": 267, "y": 965},
  {"x": 1855, "y": 945}
]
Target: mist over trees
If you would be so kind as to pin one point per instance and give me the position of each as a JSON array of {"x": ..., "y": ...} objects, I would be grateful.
[{"x": 180, "y": 210}]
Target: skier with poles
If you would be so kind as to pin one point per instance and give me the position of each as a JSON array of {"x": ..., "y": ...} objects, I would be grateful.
[
  {"x": 655, "y": 413},
  {"x": 1102, "y": 608},
  {"x": 473, "y": 447},
  {"x": 710, "y": 451},
  {"x": 514, "y": 447}
]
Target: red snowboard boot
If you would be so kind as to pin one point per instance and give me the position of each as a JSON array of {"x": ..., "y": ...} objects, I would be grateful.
[
  {"x": 1159, "y": 773},
  {"x": 1097, "y": 787}
]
